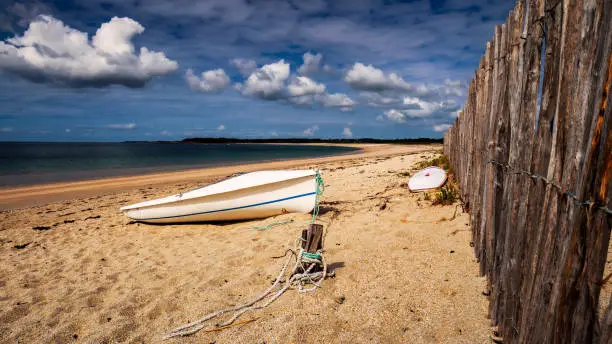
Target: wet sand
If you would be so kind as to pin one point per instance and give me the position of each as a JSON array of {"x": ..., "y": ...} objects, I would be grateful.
[{"x": 78, "y": 271}]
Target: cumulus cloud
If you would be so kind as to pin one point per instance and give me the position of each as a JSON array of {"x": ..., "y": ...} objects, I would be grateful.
[
  {"x": 221, "y": 127},
  {"x": 414, "y": 107},
  {"x": 165, "y": 133},
  {"x": 311, "y": 64},
  {"x": 51, "y": 52},
  {"x": 370, "y": 78},
  {"x": 381, "y": 100},
  {"x": 454, "y": 87},
  {"x": 347, "y": 132},
  {"x": 340, "y": 100},
  {"x": 127, "y": 126},
  {"x": 311, "y": 131},
  {"x": 209, "y": 82},
  {"x": 420, "y": 108},
  {"x": 245, "y": 66},
  {"x": 301, "y": 86},
  {"x": 441, "y": 127},
  {"x": 268, "y": 81},
  {"x": 397, "y": 116},
  {"x": 452, "y": 83}
]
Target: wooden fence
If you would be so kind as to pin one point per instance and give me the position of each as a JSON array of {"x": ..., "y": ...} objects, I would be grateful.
[{"x": 532, "y": 150}]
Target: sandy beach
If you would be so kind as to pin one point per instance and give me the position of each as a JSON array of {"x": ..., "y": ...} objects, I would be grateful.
[{"x": 75, "y": 270}]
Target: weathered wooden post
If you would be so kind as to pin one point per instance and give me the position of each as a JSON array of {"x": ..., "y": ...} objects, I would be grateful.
[
  {"x": 312, "y": 241},
  {"x": 312, "y": 238}
]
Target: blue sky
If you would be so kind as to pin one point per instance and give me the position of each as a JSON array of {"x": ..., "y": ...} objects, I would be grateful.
[{"x": 167, "y": 69}]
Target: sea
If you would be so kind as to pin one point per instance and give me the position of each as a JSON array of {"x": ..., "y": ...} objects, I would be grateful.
[{"x": 28, "y": 163}]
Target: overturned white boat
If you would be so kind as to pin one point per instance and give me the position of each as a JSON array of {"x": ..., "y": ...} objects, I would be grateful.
[{"x": 248, "y": 196}]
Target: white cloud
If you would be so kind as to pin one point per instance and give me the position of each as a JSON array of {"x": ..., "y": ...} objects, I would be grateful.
[
  {"x": 375, "y": 99},
  {"x": 127, "y": 126},
  {"x": 380, "y": 118},
  {"x": 454, "y": 87},
  {"x": 441, "y": 127},
  {"x": 414, "y": 108},
  {"x": 311, "y": 131},
  {"x": 301, "y": 86},
  {"x": 6, "y": 130},
  {"x": 335, "y": 100},
  {"x": 267, "y": 82},
  {"x": 221, "y": 127},
  {"x": 452, "y": 83},
  {"x": 397, "y": 116},
  {"x": 68, "y": 130},
  {"x": 370, "y": 78},
  {"x": 273, "y": 133},
  {"x": 347, "y": 132},
  {"x": 419, "y": 107},
  {"x": 165, "y": 133},
  {"x": 245, "y": 66},
  {"x": 455, "y": 114},
  {"x": 211, "y": 81},
  {"x": 311, "y": 64},
  {"x": 51, "y": 52},
  {"x": 453, "y": 91}
]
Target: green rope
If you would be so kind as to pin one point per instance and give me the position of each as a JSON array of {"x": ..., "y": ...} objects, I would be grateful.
[
  {"x": 320, "y": 189},
  {"x": 311, "y": 255},
  {"x": 277, "y": 223}
]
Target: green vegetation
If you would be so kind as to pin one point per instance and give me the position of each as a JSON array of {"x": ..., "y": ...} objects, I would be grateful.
[
  {"x": 449, "y": 193},
  {"x": 439, "y": 161}
]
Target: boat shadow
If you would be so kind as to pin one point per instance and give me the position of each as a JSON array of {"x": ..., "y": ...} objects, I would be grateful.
[
  {"x": 323, "y": 209},
  {"x": 216, "y": 224}
]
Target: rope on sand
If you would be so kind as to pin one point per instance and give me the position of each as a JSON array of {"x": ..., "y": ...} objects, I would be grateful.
[
  {"x": 297, "y": 281},
  {"x": 301, "y": 277}
]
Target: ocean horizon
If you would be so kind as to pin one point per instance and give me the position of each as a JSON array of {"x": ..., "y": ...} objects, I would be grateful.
[{"x": 28, "y": 163}]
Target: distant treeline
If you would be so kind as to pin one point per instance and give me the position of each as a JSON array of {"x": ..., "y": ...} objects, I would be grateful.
[{"x": 306, "y": 140}]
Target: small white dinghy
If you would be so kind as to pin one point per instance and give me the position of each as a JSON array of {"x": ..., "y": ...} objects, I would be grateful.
[
  {"x": 249, "y": 196},
  {"x": 427, "y": 178}
]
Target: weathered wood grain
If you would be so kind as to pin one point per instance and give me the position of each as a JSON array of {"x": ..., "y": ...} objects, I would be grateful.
[
  {"x": 501, "y": 139},
  {"x": 542, "y": 251}
]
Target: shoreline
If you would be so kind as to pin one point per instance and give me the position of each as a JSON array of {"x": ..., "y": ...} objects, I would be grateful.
[
  {"x": 40, "y": 194},
  {"x": 55, "y": 177}
]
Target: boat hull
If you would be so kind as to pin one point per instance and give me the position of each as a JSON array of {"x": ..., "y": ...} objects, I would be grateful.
[{"x": 288, "y": 196}]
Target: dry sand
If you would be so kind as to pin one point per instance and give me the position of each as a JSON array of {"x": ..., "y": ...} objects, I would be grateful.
[{"x": 89, "y": 275}]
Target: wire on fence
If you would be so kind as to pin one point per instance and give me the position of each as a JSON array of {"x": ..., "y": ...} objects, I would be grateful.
[{"x": 564, "y": 191}]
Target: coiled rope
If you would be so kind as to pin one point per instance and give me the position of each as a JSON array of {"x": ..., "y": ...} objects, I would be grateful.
[{"x": 301, "y": 277}]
